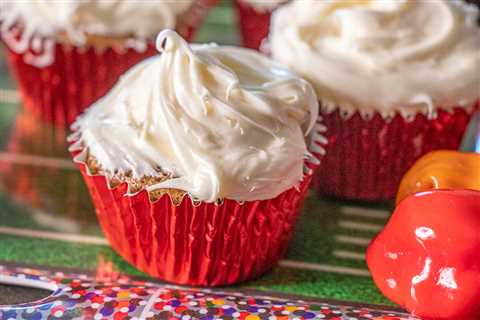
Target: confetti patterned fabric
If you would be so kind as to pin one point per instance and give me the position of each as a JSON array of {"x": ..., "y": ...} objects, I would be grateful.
[{"x": 83, "y": 296}]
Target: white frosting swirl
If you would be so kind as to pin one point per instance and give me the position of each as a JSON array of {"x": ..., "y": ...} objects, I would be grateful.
[
  {"x": 132, "y": 18},
  {"x": 225, "y": 122},
  {"x": 404, "y": 56}
]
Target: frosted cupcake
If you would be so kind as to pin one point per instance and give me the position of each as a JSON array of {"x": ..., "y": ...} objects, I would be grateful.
[
  {"x": 67, "y": 54},
  {"x": 198, "y": 161},
  {"x": 395, "y": 79},
  {"x": 254, "y": 20}
]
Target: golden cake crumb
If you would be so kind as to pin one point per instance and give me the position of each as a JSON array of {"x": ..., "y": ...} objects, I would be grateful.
[{"x": 136, "y": 184}]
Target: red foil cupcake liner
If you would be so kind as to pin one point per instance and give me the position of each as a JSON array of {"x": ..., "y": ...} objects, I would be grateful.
[
  {"x": 254, "y": 25},
  {"x": 79, "y": 76},
  {"x": 366, "y": 159},
  {"x": 203, "y": 244}
]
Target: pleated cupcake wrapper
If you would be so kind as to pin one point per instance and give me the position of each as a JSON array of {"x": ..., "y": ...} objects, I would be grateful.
[
  {"x": 204, "y": 244},
  {"x": 254, "y": 25},
  {"x": 367, "y": 156},
  {"x": 78, "y": 76}
]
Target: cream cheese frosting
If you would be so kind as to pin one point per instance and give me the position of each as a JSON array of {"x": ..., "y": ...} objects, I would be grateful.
[
  {"x": 388, "y": 56},
  {"x": 43, "y": 21},
  {"x": 136, "y": 18},
  {"x": 223, "y": 122}
]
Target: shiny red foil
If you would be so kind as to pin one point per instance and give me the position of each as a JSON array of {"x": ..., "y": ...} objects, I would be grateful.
[
  {"x": 366, "y": 159},
  {"x": 204, "y": 244},
  {"x": 254, "y": 25}
]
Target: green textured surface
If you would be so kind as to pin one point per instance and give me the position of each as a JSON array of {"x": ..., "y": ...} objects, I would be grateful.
[
  {"x": 54, "y": 199},
  {"x": 285, "y": 280},
  {"x": 317, "y": 284}
]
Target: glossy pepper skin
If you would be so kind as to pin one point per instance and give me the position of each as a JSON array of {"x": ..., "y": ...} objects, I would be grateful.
[
  {"x": 427, "y": 258},
  {"x": 444, "y": 169}
]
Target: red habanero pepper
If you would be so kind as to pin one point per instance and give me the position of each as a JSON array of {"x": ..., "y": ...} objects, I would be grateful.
[{"x": 427, "y": 258}]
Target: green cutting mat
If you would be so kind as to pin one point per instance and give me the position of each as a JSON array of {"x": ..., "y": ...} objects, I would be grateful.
[{"x": 46, "y": 217}]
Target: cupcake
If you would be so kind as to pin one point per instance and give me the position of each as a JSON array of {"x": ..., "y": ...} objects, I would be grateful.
[
  {"x": 67, "y": 54},
  {"x": 254, "y": 20},
  {"x": 198, "y": 161},
  {"x": 395, "y": 80}
]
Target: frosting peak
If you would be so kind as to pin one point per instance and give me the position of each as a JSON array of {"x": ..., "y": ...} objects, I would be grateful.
[
  {"x": 382, "y": 55},
  {"x": 222, "y": 122}
]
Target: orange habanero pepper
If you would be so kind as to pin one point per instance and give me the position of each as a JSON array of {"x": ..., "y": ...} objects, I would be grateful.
[{"x": 443, "y": 169}]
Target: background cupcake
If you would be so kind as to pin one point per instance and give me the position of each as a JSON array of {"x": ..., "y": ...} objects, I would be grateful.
[
  {"x": 254, "y": 20},
  {"x": 396, "y": 79},
  {"x": 195, "y": 161},
  {"x": 67, "y": 54}
]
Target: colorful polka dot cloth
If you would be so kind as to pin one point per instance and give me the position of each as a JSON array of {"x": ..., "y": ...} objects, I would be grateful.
[{"x": 84, "y": 296}]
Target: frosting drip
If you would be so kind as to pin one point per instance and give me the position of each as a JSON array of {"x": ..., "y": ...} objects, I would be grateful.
[
  {"x": 382, "y": 55},
  {"x": 223, "y": 122}
]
